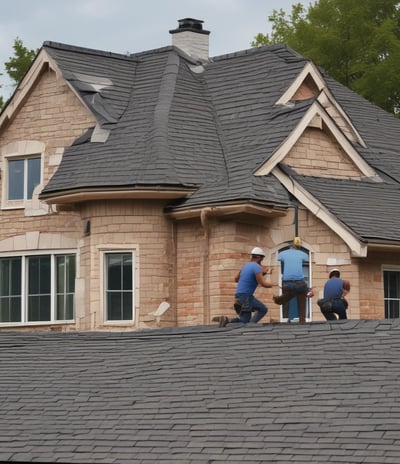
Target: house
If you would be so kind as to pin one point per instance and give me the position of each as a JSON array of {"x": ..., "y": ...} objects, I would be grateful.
[
  {"x": 134, "y": 186},
  {"x": 265, "y": 393}
]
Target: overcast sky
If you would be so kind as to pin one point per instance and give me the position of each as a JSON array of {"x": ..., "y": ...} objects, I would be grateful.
[{"x": 130, "y": 25}]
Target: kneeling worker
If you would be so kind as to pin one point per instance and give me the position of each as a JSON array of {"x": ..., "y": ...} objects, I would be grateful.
[
  {"x": 334, "y": 302},
  {"x": 248, "y": 279}
]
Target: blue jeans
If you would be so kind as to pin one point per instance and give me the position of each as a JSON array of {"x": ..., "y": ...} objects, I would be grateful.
[
  {"x": 298, "y": 289},
  {"x": 338, "y": 308},
  {"x": 248, "y": 304}
]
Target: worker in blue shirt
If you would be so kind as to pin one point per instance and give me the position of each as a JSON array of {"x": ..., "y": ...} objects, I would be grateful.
[
  {"x": 248, "y": 279},
  {"x": 293, "y": 283},
  {"x": 334, "y": 305}
]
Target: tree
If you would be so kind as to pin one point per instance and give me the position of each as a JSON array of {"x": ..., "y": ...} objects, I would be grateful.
[
  {"x": 356, "y": 42},
  {"x": 18, "y": 64}
]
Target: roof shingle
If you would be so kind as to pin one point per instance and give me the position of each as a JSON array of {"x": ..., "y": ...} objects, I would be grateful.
[{"x": 320, "y": 392}]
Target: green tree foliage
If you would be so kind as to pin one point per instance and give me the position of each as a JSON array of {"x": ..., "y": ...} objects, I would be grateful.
[
  {"x": 18, "y": 64},
  {"x": 356, "y": 42}
]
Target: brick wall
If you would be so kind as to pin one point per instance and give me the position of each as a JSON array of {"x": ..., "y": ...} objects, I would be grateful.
[
  {"x": 190, "y": 263},
  {"x": 136, "y": 225},
  {"x": 316, "y": 152}
]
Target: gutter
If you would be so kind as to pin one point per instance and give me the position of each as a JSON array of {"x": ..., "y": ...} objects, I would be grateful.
[
  {"x": 232, "y": 209},
  {"x": 82, "y": 195}
]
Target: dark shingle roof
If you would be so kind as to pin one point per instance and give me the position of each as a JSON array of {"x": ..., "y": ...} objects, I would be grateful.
[
  {"x": 207, "y": 128},
  {"x": 368, "y": 208},
  {"x": 183, "y": 124},
  {"x": 378, "y": 128},
  {"x": 320, "y": 392}
]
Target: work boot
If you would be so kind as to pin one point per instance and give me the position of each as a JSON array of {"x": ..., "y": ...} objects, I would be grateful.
[
  {"x": 278, "y": 299},
  {"x": 223, "y": 320}
]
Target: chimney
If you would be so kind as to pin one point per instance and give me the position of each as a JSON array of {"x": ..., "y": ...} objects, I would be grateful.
[{"x": 191, "y": 38}]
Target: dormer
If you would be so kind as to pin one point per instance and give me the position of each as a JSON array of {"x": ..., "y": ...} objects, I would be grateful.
[{"x": 311, "y": 84}]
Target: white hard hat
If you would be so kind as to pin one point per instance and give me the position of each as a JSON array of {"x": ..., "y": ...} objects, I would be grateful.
[
  {"x": 334, "y": 270},
  {"x": 257, "y": 251}
]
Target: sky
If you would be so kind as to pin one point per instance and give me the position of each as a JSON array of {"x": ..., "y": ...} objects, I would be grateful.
[{"x": 123, "y": 26}]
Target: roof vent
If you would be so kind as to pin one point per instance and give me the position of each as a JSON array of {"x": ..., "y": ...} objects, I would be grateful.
[{"x": 191, "y": 38}]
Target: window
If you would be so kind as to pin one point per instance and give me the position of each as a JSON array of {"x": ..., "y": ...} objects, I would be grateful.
[
  {"x": 22, "y": 172},
  {"x": 391, "y": 282},
  {"x": 10, "y": 290},
  {"x": 65, "y": 286},
  {"x": 119, "y": 286},
  {"x": 23, "y": 177},
  {"x": 37, "y": 288}
]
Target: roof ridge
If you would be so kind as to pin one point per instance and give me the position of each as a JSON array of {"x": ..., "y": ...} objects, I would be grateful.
[
  {"x": 92, "y": 51},
  {"x": 261, "y": 49}
]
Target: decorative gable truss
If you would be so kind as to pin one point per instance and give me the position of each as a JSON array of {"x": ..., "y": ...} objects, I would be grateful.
[
  {"x": 318, "y": 118},
  {"x": 334, "y": 154},
  {"x": 325, "y": 115},
  {"x": 310, "y": 83}
]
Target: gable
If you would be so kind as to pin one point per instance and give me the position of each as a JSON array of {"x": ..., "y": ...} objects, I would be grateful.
[
  {"x": 310, "y": 83},
  {"x": 307, "y": 89},
  {"x": 48, "y": 97},
  {"x": 317, "y": 153},
  {"x": 317, "y": 117}
]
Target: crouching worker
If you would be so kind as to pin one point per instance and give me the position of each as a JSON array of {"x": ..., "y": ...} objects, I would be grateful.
[
  {"x": 293, "y": 282},
  {"x": 250, "y": 276},
  {"x": 334, "y": 305}
]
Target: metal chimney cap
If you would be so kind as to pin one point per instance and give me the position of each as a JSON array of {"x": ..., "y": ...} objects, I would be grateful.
[{"x": 190, "y": 24}]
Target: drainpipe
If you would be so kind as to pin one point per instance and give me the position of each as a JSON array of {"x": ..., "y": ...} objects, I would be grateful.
[
  {"x": 296, "y": 215},
  {"x": 206, "y": 265},
  {"x": 296, "y": 219}
]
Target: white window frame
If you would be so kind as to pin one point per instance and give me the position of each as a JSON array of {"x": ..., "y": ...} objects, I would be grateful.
[
  {"x": 53, "y": 287},
  {"x": 20, "y": 151},
  {"x": 390, "y": 268},
  {"x": 118, "y": 249}
]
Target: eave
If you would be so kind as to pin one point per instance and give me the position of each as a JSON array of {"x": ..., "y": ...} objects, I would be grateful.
[
  {"x": 88, "y": 194},
  {"x": 384, "y": 245},
  {"x": 236, "y": 209}
]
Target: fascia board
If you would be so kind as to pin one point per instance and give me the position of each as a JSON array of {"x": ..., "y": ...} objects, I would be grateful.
[
  {"x": 325, "y": 98},
  {"x": 315, "y": 110},
  {"x": 25, "y": 86},
  {"x": 28, "y": 82},
  {"x": 358, "y": 249}
]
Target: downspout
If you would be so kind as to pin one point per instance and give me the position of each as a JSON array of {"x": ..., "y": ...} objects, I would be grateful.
[
  {"x": 206, "y": 265},
  {"x": 296, "y": 215}
]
